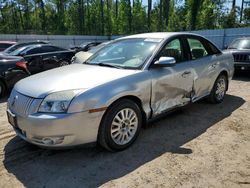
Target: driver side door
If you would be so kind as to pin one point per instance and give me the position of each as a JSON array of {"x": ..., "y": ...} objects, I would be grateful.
[{"x": 171, "y": 85}]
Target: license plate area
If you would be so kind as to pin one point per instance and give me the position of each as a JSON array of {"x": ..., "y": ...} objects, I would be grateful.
[{"x": 12, "y": 119}]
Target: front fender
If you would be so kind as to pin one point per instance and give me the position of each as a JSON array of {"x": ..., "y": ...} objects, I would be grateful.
[{"x": 102, "y": 96}]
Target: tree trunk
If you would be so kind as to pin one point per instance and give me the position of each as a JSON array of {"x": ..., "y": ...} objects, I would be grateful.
[
  {"x": 102, "y": 17},
  {"x": 160, "y": 17},
  {"x": 166, "y": 12},
  {"x": 149, "y": 14},
  {"x": 233, "y": 4},
  {"x": 129, "y": 16}
]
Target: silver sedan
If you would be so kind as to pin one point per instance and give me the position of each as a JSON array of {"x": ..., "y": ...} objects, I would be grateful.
[{"x": 128, "y": 82}]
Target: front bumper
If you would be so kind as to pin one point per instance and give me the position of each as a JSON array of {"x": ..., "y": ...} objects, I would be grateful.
[
  {"x": 242, "y": 66},
  {"x": 58, "y": 130}
]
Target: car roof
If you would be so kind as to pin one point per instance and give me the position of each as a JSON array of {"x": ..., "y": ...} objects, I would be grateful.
[
  {"x": 7, "y": 42},
  {"x": 34, "y": 42},
  {"x": 159, "y": 35}
]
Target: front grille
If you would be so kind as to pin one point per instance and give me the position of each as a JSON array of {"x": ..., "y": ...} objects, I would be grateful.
[
  {"x": 19, "y": 103},
  {"x": 242, "y": 58}
]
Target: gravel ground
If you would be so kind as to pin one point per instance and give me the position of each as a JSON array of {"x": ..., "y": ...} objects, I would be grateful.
[{"x": 203, "y": 145}]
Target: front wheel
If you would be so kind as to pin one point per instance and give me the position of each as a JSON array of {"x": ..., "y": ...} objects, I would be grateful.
[
  {"x": 120, "y": 125},
  {"x": 219, "y": 89}
]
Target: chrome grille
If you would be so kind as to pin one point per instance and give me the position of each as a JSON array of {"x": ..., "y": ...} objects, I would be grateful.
[
  {"x": 242, "y": 58},
  {"x": 19, "y": 103}
]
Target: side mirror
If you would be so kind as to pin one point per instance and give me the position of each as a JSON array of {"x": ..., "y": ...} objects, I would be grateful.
[{"x": 165, "y": 62}]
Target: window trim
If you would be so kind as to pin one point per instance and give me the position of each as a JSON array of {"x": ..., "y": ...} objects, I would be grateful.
[
  {"x": 182, "y": 43},
  {"x": 204, "y": 42}
]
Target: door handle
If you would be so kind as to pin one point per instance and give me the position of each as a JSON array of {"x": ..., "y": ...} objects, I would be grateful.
[{"x": 185, "y": 73}]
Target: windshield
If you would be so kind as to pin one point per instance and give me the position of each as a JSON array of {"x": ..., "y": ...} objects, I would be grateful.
[
  {"x": 240, "y": 44},
  {"x": 18, "y": 51},
  {"x": 12, "y": 48},
  {"x": 128, "y": 53}
]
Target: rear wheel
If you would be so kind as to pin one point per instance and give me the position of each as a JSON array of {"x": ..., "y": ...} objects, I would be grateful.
[
  {"x": 219, "y": 89},
  {"x": 120, "y": 126}
]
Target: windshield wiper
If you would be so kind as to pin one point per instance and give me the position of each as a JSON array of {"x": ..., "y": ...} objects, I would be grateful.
[{"x": 110, "y": 65}]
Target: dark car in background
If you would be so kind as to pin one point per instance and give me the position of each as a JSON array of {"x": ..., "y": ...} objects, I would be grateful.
[
  {"x": 12, "y": 69},
  {"x": 240, "y": 49},
  {"x": 21, "y": 44},
  {"x": 85, "y": 46},
  {"x": 42, "y": 57},
  {"x": 6, "y": 44}
]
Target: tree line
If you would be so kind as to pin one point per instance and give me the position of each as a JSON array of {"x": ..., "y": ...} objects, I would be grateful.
[{"x": 118, "y": 17}]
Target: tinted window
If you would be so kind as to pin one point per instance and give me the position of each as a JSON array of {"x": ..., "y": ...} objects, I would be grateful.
[
  {"x": 51, "y": 48},
  {"x": 173, "y": 49},
  {"x": 34, "y": 51},
  {"x": 196, "y": 48},
  {"x": 43, "y": 49}
]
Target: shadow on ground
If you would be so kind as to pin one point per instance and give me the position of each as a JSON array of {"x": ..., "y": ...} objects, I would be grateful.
[
  {"x": 242, "y": 76},
  {"x": 90, "y": 167}
]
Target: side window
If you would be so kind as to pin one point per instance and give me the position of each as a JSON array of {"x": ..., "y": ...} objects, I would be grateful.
[
  {"x": 213, "y": 49},
  {"x": 52, "y": 49},
  {"x": 197, "y": 49},
  {"x": 173, "y": 49},
  {"x": 34, "y": 51}
]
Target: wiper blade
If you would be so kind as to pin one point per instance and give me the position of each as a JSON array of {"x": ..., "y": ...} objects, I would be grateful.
[{"x": 110, "y": 65}]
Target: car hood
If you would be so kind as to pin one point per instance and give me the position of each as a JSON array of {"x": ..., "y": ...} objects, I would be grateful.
[{"x": 75, "y": 76}]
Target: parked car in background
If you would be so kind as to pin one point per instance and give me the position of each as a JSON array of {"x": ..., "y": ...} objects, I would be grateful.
[
  {"x": 82, "y": 56},
  {"x": 21, "y": 44},
  {"x": 12, "y": 69},
  {"x": 42, "y": 57},
  {"x": 6, "y": 44},
  {"x": 240, "y": 49},
  {"x": 85, "y": 46},
  {"x": 127, "y": 82}
]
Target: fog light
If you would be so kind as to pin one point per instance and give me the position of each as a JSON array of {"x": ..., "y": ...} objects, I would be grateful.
[{"x": 49, "y": 140}]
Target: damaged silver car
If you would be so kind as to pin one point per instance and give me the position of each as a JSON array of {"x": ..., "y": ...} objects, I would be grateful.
[{"x": 107, "y": 98}]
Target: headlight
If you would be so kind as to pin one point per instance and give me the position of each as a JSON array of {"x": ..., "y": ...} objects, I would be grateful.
[{"x": 58, "y": 102}]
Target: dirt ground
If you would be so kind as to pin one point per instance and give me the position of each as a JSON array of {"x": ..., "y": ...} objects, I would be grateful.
[{"x": 203, "y": 145}]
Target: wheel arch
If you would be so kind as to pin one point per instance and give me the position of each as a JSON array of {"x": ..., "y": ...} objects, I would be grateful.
[{"x": 134, "y": 99}]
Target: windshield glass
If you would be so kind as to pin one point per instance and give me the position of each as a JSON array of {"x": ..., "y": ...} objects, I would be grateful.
[
  {"x": 240, "y": 44},
  {"x": 128, "y": 53},
  {"x": 12, "y": 48},
  {"x": 18, "y": 51}
]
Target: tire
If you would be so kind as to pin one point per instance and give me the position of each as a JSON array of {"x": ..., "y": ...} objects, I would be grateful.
[
  {"x": 219, "y": 89},
  {"x": 2, "y": 89},
  {"x": 124, "y": 131},
  {"x": 63, "y": 63}
]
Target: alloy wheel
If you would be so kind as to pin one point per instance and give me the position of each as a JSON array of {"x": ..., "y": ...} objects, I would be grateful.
[
  {"x": 124, "y": 126},
  {"x": 220, "y": 88}
]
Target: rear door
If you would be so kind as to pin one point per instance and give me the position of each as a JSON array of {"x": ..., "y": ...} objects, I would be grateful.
[
  {"x": 204, "y": 62},
  {"x": 171, "y": 86}
]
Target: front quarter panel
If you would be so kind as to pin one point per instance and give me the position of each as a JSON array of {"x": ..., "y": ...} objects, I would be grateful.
[{"x": 137, "y": 85}]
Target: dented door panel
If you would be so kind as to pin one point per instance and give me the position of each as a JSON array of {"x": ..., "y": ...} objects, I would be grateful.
[{"x": 171, "y": 87}]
